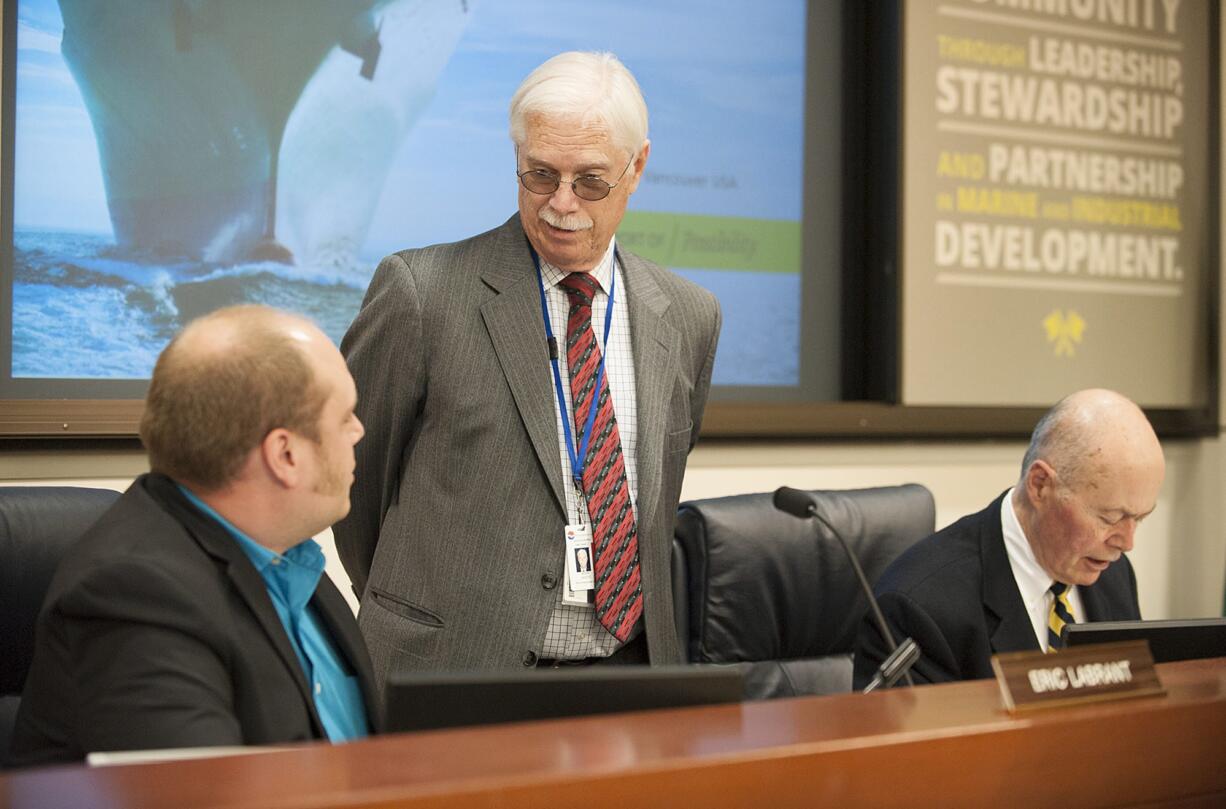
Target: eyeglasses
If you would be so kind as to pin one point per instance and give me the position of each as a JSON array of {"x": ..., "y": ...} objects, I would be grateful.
[{"x": 592, "y": 189}]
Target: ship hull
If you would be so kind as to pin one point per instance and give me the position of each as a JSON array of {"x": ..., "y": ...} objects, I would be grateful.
[{"x": 188, "y": 100}]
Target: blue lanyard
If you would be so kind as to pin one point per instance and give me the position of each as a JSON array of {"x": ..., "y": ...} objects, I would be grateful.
[{"x": 576, "y": 461}]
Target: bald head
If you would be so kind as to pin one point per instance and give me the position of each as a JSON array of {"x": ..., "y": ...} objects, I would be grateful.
[
  {"x": 233, "y": 328},
  {"x": 1090, "y": 433},
  {"x": 223, "y": 384},
  {"x": 1091, "y": 475}
]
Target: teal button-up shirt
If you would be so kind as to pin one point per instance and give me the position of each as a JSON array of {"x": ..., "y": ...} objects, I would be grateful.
[{"x": 291, "y": 579}]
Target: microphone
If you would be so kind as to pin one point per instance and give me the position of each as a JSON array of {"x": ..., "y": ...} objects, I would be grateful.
[
  {"x": 802, "y": 504},
  {"x": 898, "y": 664}
]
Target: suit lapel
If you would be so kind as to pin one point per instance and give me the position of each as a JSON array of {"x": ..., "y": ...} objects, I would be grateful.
[
  {"x": 1002, "y": 602},
  {"x": 336, "y": 617},
  {"x": 517, "y": 332},
  {"x": 1095, "y": 603},
  {"x": 653, "y": 344},
  {"x": 217, "y": 542}
]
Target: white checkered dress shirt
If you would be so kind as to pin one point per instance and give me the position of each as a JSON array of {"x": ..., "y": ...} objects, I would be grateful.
[{"x": 573, "y": 631}]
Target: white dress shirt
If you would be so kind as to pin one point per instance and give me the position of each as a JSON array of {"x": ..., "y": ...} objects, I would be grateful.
[{"x": 1033, "y": 582}]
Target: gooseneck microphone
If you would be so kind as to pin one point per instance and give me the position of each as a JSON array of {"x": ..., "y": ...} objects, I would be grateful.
[{"x": 903, "y": 656}]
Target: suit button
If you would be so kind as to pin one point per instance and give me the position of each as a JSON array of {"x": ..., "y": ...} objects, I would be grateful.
[
  {"x": 549, "y": 581},
  {"x": 529, "y": 659}
]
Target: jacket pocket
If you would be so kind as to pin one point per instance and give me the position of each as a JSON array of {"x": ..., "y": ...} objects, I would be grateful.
[
  {"x": 678, "y": 440},
  {"x": 405, "y": 609}
]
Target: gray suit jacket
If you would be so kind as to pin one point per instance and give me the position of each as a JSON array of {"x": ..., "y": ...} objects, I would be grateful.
[{"x": 455, "y": 535}]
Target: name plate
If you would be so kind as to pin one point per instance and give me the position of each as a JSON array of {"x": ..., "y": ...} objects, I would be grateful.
[{"x": 1076, "y": 676}]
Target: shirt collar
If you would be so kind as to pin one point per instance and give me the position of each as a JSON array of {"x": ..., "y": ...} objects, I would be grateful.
[
  {"x": 1032, "y": 580},
  {"x": 603, "y": 271},
  {"x": 294, "y": 573}
]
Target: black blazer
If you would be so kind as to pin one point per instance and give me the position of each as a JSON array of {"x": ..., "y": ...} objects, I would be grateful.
[
  {"x": 157, "y": 631},
  {"x": 955, "y": 595}
]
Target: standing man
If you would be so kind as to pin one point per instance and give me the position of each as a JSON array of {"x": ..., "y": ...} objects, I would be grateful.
[
  {"x": 1046, "y": 553},
  {"x": 195, "y": 612},
  {"x": 529, "y": 391}
]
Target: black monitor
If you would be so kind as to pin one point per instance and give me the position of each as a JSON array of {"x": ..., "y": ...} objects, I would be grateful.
[
  {"x": 1190, "y": 639},
  {"x": 428, "y": 701}
]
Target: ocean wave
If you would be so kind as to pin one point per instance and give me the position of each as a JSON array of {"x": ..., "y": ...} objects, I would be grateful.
[
  {"x": 83, "y": 333},
  {"x": 74, "y": 259},
  {"x": 347, "y": 273},
  {"x": 84, "y": 310}
]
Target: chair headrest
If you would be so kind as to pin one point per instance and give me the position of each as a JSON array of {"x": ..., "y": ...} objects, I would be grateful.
[{"x": 37, "y": 525}]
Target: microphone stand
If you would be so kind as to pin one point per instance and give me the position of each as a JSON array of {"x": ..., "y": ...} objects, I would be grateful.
[{"x": 903, "y": 656}]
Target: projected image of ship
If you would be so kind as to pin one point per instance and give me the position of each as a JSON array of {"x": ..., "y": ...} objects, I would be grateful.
[{"x": 190, "y": 99}]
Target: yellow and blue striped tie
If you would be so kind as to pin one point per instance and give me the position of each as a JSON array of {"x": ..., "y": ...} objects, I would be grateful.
[{"x": 1061, "y": 615}]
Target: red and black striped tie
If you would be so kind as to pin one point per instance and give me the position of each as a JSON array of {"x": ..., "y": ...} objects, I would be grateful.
[{"x": 619, "y": 594}]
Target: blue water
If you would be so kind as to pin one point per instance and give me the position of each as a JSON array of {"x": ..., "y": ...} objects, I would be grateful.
[{"x": 83, "y": 310}]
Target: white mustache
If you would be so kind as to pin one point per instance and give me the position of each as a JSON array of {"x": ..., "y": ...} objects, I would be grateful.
[{"x": 570, "y": 221}]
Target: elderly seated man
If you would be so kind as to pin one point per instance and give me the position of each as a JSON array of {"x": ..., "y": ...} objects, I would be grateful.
[{"x": 1046, "y": 553}]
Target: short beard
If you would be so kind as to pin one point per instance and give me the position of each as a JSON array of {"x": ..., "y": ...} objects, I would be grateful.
[{"x": 572, "y": 221}]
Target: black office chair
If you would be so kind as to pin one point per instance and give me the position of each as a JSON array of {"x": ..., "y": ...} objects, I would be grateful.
[
  {"x": 758, "y": 587},
  {"x": 37, "y": 524}
]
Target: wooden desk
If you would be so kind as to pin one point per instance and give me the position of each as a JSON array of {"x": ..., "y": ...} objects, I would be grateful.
[{"x": 933, "y": 746}]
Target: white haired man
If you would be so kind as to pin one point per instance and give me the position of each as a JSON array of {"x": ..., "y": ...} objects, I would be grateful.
[
  {"x": 1046, "y": 553},
  {"x": 487, "y": 464}
]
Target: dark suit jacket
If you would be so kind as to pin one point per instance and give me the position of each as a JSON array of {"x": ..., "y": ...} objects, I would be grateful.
[
  {"x": 955, "y": 595},
  {"x": 157, "y": 631},
  {"x": 455, "y": 535}
]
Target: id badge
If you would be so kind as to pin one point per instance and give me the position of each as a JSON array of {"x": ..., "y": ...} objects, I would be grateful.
[{"x": 580, "y": 579}]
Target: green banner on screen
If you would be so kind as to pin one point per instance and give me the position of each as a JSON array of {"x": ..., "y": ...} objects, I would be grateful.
[{"x": 713, "y": 242}]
